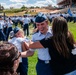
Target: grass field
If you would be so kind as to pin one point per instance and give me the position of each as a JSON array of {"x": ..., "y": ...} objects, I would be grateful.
[
  {"x": 72, "y": 28},
  {"x": 33, "y": 60}
]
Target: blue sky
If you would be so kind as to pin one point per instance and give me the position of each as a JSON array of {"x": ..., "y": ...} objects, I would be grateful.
[{"x": 28, "y": 3}]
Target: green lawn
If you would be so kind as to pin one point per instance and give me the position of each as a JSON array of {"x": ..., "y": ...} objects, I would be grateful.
[
  {"x": 72, "y": 28},
  {"x": 33, "y": 60}
]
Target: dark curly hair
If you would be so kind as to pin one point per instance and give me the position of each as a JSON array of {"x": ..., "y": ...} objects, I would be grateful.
[{"x": 8, "y": 54}]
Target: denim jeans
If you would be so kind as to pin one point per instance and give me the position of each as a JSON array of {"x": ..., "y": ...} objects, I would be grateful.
[{"x": 71, "y": 73}]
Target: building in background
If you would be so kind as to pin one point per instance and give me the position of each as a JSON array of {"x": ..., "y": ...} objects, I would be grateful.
[{"x": 66, "y": 3}]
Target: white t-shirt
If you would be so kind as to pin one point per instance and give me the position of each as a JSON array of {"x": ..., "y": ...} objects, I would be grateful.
[{"x": 17, "y": 42}]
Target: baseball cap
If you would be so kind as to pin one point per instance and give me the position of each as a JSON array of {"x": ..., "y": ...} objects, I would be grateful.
[
  {"x": 40, "y": 17},
  {"x": 16, "y": 30}
]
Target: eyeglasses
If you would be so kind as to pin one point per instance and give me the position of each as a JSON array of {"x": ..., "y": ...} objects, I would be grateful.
[{"x": 17, "y": 56}]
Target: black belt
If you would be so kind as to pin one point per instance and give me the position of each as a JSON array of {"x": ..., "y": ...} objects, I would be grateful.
[{"x": 44, "y": 61}]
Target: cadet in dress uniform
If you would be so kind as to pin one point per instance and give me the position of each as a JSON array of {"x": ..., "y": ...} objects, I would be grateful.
[{"x": 44, "y": 31}]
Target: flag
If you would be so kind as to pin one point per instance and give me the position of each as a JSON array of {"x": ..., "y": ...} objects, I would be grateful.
[{"x": 70, "y": 12}]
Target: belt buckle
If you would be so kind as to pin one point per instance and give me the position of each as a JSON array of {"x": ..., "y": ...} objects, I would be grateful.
[{"x": 46, "y": 61}]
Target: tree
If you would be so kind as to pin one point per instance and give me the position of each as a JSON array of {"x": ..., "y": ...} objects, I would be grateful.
[
  {"x": 37, "y": 7},
  {"x": 11, "y": 7},
  {"x": 23, "y": 7},
  {"x": 1, "y": 7},
  {"x": 31, "y": 7}
]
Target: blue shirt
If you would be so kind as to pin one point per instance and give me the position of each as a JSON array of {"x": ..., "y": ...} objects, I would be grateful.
[{"x": 43, "y": 53}]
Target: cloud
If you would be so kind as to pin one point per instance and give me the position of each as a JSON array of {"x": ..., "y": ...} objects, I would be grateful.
[
  {"x": 4, "y": 5},
  {"x": 17, "y": 5},
  {"x": 42, "y": 3},
  {"x": 18, "y": 1},
  {"x": 45, "y": 3},
  {"x": 52, "y": 2},
  {"x": 39, "y": 3}
]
